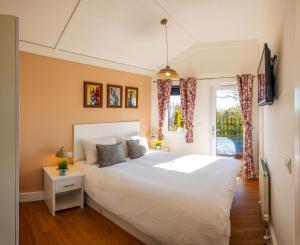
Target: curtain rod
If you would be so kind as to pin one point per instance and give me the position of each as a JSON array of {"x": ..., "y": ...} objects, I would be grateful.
[{"x": 205, "y": 78}]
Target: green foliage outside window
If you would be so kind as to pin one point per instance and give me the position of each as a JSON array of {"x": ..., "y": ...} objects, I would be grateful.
[
  {"x": 175, "y": 119},
  {"x": 230, "y": 123}
]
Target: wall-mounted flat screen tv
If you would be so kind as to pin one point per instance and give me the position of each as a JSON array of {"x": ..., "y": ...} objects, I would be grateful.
[{"x": 266, "y": 78}]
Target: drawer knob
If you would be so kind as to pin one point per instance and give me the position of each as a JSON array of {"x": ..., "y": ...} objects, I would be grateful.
[{"x": 69, "y": 185}]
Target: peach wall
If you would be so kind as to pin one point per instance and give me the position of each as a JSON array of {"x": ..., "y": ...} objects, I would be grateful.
[{"x": 51, "y": 101}]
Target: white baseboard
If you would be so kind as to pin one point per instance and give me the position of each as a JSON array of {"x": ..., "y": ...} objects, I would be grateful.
[
  {"x": 31, "y": 196},
  {"x": 273, "y": 236}
]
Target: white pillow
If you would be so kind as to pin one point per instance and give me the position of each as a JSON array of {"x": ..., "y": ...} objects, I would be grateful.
[
  {"x": 90, "y": 150},
  {"x": 142, "y": 139}
]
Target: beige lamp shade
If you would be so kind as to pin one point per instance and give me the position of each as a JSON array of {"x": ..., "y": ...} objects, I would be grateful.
[
  {"x": 167, "y": 72},
  {"x": 61, "y": 153}
]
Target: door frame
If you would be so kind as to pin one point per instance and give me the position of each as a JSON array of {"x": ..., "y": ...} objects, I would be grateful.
[
  {"x": 297, "y": 128},
  {"x": 212, "y": 104}
]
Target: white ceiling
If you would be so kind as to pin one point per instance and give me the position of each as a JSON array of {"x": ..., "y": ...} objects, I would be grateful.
[
  {"x": 40, "y": 21},
  {"x": 127, "y": 32}
]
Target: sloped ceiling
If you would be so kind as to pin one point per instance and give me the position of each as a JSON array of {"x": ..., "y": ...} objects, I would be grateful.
[{"x": 127, "y": 34}]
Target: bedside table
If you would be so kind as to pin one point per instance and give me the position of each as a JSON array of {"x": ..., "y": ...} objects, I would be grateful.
[{"x": 62, "y": 192}]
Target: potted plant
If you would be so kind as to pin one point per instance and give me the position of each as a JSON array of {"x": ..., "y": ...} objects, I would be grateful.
[
  {"x": 158, "y": 144},
  {"x": 62, "y": 168}
]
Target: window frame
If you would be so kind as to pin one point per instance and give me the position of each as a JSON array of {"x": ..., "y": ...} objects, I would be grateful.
[{"x": 213, "y": 110}]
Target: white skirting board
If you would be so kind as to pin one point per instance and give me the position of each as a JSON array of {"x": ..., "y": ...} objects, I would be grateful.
[
  {"x": 31, "y": 196},
  {"x": 121, "y": 223},
  {"x": 273, "y": 236}
]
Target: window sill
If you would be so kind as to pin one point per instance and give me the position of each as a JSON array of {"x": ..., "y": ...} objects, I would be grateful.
[{"x": 173, "y": 134}]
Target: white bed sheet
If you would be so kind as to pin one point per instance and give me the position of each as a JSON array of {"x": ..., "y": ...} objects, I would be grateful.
[{"x": 177, "y": 199}]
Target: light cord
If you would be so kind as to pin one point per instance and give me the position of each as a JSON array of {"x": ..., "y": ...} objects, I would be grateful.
[{"x": 167, "y": 44}]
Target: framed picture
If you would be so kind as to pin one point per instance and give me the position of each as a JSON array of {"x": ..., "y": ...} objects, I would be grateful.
[
  {"x": 93, "y": 94},
  {"x": 114, "y": 96},
  {"x": 131, "y": 97}
]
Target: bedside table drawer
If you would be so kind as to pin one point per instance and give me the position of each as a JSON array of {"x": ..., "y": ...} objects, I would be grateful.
[{"x": 68, "y": 185}]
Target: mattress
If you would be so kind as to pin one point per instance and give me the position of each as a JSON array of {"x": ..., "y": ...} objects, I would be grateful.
[{"x": 175, "y": 198}]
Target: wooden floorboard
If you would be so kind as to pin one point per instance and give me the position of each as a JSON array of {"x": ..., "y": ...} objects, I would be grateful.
[
  {"x": 76, "y": 226},
  {"x": 247, "y": 227}
]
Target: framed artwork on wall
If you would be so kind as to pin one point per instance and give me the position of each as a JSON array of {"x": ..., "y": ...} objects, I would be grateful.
[
  {"x": 93, "y": 95},
  {"x": 114, "y": 96},
  {"x": 131, "y": 97}
]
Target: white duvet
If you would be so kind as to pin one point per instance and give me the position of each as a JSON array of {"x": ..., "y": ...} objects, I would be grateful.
[{"x": 177, "y": 199}]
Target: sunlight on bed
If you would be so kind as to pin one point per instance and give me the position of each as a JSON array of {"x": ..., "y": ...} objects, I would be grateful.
[{"x": 187, "y": 164}]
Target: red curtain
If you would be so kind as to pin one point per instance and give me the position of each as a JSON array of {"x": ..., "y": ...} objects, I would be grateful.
[
  {"x": 164, "y": 87},
  {"x": 245, "y": 88},
  {"x": 187, "y": 88}
]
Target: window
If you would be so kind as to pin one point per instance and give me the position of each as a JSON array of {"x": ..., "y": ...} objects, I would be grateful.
[{"x": 175, "y": 123}]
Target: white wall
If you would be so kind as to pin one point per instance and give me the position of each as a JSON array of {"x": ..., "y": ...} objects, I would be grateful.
[
  {"x": 8, "y": 131},
  {"x": 278, "y": 124},
  {"x": 214, "y": 60}
]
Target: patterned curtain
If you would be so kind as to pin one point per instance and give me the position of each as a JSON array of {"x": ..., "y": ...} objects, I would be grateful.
[
  {"x": 187, "y": 95},
  {"x": 164, "y": 87},
  {"x": 245, "y": 88}
]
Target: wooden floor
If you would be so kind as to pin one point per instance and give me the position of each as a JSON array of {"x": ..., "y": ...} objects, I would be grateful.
[
  {"x": 76, "y": 226},
  {"x": 247, "y": 227}
]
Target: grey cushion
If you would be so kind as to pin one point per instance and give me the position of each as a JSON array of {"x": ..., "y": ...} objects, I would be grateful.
[
  {"x": 110, "y": 154},
  {"x": 135, "y": 150}
]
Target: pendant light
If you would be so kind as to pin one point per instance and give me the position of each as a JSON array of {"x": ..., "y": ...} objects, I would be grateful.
[{"x": 167, "y": 72}]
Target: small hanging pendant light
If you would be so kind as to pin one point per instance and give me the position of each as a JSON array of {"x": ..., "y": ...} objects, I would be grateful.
[{"x": 167, "y": 72}]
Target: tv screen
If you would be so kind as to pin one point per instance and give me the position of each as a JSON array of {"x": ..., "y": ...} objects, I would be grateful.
[{"x": 265, "y": 78}]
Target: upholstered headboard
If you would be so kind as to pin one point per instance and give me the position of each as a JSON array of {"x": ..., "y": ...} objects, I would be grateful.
[{"x": 100, "y": 130}]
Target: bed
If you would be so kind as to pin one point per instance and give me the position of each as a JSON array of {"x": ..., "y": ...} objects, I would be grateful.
[{"x": 162, "y": 197}]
